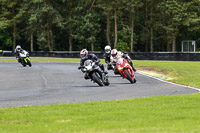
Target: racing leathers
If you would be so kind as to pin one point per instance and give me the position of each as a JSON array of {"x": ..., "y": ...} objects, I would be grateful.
[
  {"x": 125, "y": 56},
  {"x": 95, "y": 59},
  {"x": 107, "y": 57},
  {"x": 17, "y": 52}
]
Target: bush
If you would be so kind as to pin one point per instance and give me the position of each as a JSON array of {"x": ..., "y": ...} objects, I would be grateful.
[{"x": 122, "y": 46}]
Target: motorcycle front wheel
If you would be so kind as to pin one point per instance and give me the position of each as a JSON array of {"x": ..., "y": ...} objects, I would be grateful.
[
  {"x": 107, "y": 82},
  {"x": 29, "y": 63},
  {"x": 129, "y": 77},
  {"x": 23, "y": 63},
  {"x": 97, "y": 78}
]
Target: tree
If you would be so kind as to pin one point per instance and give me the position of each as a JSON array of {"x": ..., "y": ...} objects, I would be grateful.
[
  {"x": 173, "y": 11},
  {"x": 107, "y": 8},
  {"x": 141, "y": 25},
  {"x": 11, "y": 15},
  {"x": 5, "y": 40},
  {"x": 68, "y": 10},
  {"x": 87, "y": 30},
  {"x": 46, "y": 17},
  {"x": 131, "y": 6}
]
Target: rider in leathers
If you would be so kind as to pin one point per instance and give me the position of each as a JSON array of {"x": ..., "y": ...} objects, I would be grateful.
[
  {"x": 18, "y": 49},
  {"x": 85, "y": 56},
  {"x": 107, "y": 57},
  {"x": 118, "y": 54}
]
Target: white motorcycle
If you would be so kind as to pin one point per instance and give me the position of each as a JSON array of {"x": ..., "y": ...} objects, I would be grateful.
[{"x": 24, "y": 57}]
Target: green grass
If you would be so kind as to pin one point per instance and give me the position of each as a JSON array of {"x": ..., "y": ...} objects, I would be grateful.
[
  {"x": 165, "y": 114},
  {"x": 186, "y": 73},
  {"x": 144, "y": 115}
]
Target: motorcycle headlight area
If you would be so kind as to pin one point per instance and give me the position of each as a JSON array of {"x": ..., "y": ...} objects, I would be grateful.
[
  {"x": 119, "y": 67},
  {"x": 88, "y": 67},
  {"x": 126, "y": 64}
]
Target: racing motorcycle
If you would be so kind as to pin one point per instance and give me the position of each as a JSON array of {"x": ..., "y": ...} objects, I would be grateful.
[
  {"x": 125, "y": 70},
  {"x": 95, "y": 73},
  {"x": 24, "y": 57}
]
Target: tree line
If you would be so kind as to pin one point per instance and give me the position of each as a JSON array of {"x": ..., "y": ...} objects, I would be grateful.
[{"x": 71, "y": 25}]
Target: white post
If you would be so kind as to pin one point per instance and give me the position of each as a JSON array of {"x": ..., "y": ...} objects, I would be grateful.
[
  {"x": 182, "y": 46},
  {"x": 193, "y": 43}
]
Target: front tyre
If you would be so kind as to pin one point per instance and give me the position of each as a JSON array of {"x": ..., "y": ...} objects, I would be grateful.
[
  {"x": 107, "y": 82},
  {"x": 129, "y": 77},
  {"x": 23, "y": 63},
  {"x": 29, "y": 63},
  {"x": 97, "y": 78}
]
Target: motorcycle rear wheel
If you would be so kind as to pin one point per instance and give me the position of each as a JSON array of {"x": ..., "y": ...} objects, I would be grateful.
[{"x": 96, "y": 77}]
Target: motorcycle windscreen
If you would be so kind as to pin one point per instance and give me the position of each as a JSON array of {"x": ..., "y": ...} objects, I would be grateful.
[
  {"x": 88, "y": 63},
  {"x": 120, "y": 61},
  {"x": 22, "y": 52}
]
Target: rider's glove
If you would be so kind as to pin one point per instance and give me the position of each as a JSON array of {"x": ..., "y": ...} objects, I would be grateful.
[
  {"x": 97, "y": 63},
  {"x": 114, "y": 63},
  {"x": 83, "y": 70}
]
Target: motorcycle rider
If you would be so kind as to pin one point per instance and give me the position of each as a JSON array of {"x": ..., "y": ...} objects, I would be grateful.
[
  {"x": 18, "y": 50},
  {"x": 118, "y": 54},
  {"x": 107, "y": 57},
  {"x": 85, "y": 56}
]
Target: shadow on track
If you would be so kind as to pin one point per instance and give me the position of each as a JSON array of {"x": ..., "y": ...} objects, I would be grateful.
[
  {"x": 87, "y": 86},
  {"x": 122, "y": 83},
  {"x": 114, "y": 76}
]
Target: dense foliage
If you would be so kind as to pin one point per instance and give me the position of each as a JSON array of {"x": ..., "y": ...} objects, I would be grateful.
[{"x": 70, "y": 25}]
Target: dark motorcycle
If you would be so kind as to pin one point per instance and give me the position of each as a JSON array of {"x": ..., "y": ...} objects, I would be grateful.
[{"x": 95, "y": 73}]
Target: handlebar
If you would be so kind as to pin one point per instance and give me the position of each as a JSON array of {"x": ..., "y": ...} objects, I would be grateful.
[{"x": 81, "y": 67}]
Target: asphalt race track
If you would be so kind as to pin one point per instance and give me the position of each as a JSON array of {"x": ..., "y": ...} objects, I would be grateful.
[{"x": 54, "y": 83}]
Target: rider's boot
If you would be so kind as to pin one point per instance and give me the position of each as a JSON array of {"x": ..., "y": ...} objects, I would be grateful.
[
  {"x": 134, "y": 69},
  {"x": 132, "y": 66}
]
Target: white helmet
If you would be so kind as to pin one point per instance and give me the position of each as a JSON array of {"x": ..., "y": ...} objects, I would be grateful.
[
  {"x": 107, "y": 49},
  {"x": 18, "y": 48},
  {"x": 114, "y": 53}
]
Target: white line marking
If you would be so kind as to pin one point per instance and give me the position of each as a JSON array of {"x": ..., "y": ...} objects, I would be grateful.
[{"x": 45, "y": 81}]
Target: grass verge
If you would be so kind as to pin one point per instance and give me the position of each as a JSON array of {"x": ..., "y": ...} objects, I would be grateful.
[
  {"x": 166, "y": 114},
  {"x": 145, "y": 115},
  {"x": 186, "y": 73}
]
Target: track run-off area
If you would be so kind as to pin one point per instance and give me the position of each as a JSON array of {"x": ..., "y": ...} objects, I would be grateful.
[{"x": 55, "y": 83}]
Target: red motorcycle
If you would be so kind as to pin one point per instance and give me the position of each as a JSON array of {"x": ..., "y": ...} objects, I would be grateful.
[{"x": 125, "y": 70}]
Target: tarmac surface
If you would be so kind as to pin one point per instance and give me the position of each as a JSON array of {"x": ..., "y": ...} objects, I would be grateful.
[{"x": 55, "y": 83}]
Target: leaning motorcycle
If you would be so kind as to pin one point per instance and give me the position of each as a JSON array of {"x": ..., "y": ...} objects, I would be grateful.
[
  {"x": 125, "y": 70},
  {"x": 95, "y": 73},
  {"x": 24, "y": 57}
]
